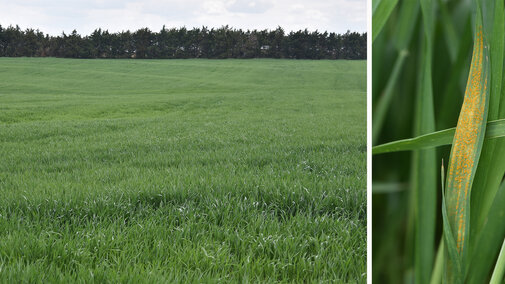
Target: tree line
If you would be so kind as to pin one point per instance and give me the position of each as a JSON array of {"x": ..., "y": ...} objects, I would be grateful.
[{"x": 202, "y": 42}]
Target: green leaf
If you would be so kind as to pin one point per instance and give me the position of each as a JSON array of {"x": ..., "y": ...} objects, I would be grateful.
[
  {"x": 499, "y": 270},
  {"x": 434, "y": 139},
  {"x": 381, "y": 15},
  {"x": 452, "y": 268},
  {"x": 383, "y": 187},
  {"x": 425, "y": 175},
  {"x": 488, "y": 240},
  {"x": 497, "y": 46},
  {"x": 453, "y": 88},
  {"x": 492, "y": 169},
  {"x": 451, "y": 37},
  {"x": 406, "y": 23},
  {"x": 436, "y": 276},
  {"x": 495, "y": 129},
  {"x": 384, "y": 100}
]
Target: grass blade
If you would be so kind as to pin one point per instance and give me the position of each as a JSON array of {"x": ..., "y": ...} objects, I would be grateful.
[
  {"x": 490, "y": 174},
  {"x": 386, "y": 188},
  {"x": 451, "y": 37},
  {"x": 494, "y": 129},
  {"x": 453, "y": 267},
  {"x": 488, "y": 241},
  {"x": 425, "y": 175},
  {"x": 381, "y": 15},
  {"x": 436, "y": 276},
  {"x": 497, "y": 47},
  {"x": 499, "y": 270},
  {"x": 384, "y": 102},
  {"x": 434, "y": 139},
  {"x": 407, "y": 20},
  {"x": 452, "y": 89}
]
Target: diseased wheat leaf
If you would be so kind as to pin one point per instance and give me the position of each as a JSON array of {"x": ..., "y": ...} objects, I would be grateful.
[{"x": 466, "y": 149}]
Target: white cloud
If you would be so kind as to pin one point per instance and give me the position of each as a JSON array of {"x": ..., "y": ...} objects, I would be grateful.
[
  {"x": 250, "y": 6},
  {"x": 214, "y": 7},
  {"x": 55, "y": 16}
]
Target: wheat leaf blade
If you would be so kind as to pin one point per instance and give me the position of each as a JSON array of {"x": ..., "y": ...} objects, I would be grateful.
[{"x": 466, "y": 149}]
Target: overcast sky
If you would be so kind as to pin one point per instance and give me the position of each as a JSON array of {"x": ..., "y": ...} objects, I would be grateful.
[{"x": 55, "y": 16}]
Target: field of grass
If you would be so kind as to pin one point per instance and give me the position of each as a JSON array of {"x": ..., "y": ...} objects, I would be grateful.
[{"x": 182, "y": 170}]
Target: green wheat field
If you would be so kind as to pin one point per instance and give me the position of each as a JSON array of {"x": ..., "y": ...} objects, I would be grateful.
[{"x": 182, "y": 170}]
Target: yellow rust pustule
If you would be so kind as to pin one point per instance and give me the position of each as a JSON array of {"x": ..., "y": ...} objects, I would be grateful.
[{"x": 467, "y": 140}]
